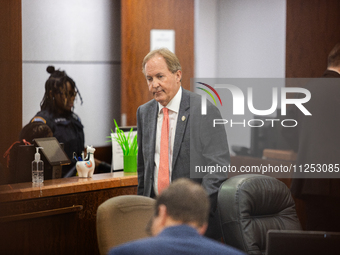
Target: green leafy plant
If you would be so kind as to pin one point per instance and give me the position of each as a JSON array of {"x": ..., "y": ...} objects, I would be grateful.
[{"x": 128, "y": 145}]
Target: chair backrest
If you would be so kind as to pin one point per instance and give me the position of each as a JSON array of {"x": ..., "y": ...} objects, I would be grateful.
[
  {"x": 122, "y": 219},
  {"x": 250, "y": 205}
]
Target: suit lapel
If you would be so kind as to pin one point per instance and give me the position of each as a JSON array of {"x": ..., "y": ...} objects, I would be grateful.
[
  {"x": 152, "y": 128},
  {"x": 182, "y": 120}
]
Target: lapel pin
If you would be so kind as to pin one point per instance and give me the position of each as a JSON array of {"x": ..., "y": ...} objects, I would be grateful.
[{"x": 183, "y": 118}]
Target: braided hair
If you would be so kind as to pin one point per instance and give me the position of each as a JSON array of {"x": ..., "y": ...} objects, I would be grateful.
[{"x": 55, "y": 83}]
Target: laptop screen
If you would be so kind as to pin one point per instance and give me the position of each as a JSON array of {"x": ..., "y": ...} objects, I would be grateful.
[
  {"x": 294, "y": 242},
  {"x": 52, "y": 151}
]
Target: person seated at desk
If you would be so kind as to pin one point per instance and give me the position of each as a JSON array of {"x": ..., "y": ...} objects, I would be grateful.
[
  {"x": 57, "y": 112},
  {"x": 178, "y": 225}
]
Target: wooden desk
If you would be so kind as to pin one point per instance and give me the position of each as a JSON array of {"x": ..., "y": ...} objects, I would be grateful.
[{"x": 58, "y": 217}]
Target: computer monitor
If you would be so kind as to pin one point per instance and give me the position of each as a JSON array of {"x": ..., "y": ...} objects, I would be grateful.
[
  {"x": 268, "y": 136},
  {"x": 53, "y": 151},
  {"x": 265, "y": 134},
  {"x": 295, "y": 242},
  {"x": 52, "y": 155}
]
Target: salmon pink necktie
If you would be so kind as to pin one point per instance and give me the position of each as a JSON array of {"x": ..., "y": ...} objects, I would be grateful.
[{"x": 163, "y": 171}]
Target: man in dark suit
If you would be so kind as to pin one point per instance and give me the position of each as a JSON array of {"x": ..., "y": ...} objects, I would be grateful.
[
  {"x": 189, "y": 139},
  {"x": 180, "y": 219},
  {"x": 317, "y": 141}
]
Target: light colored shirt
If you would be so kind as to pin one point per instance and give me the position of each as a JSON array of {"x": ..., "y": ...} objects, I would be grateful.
[{"x": 173, "y": 107}]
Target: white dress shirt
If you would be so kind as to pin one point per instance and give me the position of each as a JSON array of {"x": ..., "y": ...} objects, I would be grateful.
[{"x": 173, "y": 107}]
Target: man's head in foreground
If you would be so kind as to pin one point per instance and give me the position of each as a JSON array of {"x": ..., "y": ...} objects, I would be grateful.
[
  {"x": 334, "y": 59},
  {"x": 183, "y": 202}
]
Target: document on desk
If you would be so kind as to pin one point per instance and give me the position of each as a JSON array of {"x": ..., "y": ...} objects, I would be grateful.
[{"x": 117, "y": 152}]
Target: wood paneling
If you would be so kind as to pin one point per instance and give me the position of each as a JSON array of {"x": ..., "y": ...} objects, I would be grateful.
[
  {"x": 66, "y": 233},
  {"x": 138, "y": 18},
  {"x": 10, "y": 74},
  {"x": 104, "y": 153},
  {"x": 61, "y": 219},
  {"x": 313, "y": 29}
]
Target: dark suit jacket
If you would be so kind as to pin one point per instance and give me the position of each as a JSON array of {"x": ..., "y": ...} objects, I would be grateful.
[
  {"x": 181, "y": 239},
  {"x": 317, "y": 137},
  {"x": 208, "y": 145}
]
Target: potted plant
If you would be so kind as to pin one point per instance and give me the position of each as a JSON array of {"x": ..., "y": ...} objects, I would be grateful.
[{"x": 129, "y": 147}]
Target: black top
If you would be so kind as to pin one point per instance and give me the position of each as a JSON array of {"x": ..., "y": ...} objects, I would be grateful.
[{"x": 67, "y": 128}]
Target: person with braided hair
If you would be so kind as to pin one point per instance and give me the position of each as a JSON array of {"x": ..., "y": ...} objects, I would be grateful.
[{"x": 57, "y": 112}]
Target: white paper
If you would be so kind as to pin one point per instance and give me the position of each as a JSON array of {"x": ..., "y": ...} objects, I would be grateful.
[{"x": 162, "y": 38}]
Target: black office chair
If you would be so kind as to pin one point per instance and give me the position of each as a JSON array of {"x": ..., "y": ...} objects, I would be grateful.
[{"x": 250, "y": 205}]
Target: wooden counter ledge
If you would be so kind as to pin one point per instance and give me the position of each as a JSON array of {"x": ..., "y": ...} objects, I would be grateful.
[{"x": 56, "y": 187}]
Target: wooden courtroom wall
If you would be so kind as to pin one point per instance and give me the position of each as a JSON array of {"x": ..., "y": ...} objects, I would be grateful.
[
  {"x": 313, "y": 29},
  {"x": 59, "y": 224},
  {"x": 10, "y": 74},
  {"x": 137, "y": 19}
]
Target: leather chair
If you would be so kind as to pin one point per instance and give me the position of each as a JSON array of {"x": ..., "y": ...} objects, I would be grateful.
[
  {"x": 122, "y": 219},
  {"x": 249, "y": 205}
]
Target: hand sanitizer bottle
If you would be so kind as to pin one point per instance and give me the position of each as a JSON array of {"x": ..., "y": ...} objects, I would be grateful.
[{"x": 37, "y": 168}]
